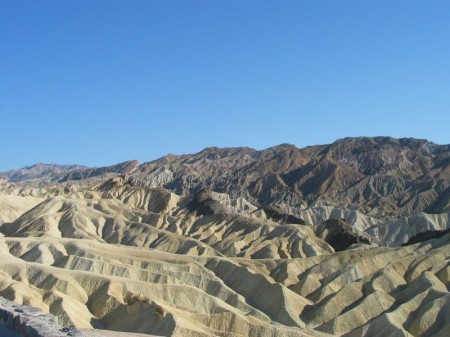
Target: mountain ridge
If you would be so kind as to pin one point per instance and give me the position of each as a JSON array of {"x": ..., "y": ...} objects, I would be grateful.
[
  {"x": 377, "y": 175},
  {"x": 347, "y": 239}
]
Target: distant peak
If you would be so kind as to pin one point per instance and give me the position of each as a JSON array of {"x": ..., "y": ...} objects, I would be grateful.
[
  {"x": 286, "y": 145},
  {"x": 210, "y": 149},
  {"x": 383, "y": 139},
  {"x": 282, "y": 146},
  {"x": 48, "y": 165}
]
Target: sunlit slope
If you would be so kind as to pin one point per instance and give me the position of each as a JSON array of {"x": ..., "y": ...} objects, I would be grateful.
[
  {"x": 379, "y": 291},
  {"x": 139, "y": 290},
  {"x": 174, "y": 230}
]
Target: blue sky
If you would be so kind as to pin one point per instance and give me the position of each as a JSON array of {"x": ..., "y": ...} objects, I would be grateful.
[{"x": 98, "y": 82}]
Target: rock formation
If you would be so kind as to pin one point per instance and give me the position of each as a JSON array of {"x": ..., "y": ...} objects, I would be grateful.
[{"x": 237, "y": 242}]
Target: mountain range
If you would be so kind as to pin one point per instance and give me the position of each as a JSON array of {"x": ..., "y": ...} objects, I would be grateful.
[
  {"x": 377, "y": 175},
  {"x": 350, "y": 238}
]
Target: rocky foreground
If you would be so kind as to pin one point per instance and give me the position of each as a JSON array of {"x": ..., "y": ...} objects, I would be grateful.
[{"x": 347, "y": 239}]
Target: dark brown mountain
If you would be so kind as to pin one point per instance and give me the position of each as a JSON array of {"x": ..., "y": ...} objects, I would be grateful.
[{"x": 378, "y": 175}]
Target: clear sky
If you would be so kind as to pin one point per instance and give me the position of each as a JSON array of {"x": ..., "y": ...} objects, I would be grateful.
[{"x": 97, "y": 82}]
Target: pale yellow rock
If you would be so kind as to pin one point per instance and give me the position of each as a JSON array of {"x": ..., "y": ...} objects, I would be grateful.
[{"x": 136, "y": 260}]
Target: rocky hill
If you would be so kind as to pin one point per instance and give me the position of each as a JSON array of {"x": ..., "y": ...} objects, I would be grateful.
[
  {"x": 52, "y": 173},
  {"x": 38, "y": 171},
  {"x": 346, "y": 239},
  {"x": 379, "y": 176}
]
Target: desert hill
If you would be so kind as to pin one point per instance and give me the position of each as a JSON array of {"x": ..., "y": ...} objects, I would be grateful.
[
  {"x": 345, "y": 239},
  {"x": 379, "y": 176}
]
